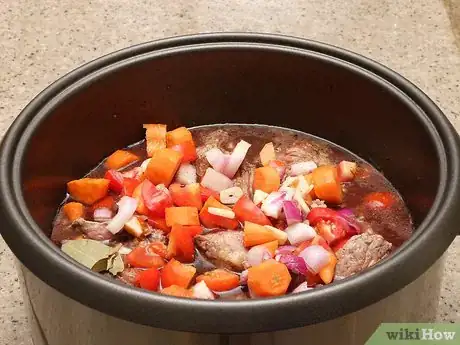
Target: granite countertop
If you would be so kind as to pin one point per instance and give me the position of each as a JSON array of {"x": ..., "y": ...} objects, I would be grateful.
[{"x": 42, "y": 40}]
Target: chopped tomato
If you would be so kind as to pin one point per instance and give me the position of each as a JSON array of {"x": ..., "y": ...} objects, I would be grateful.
[
  {"x": 143, "y": 257},
  {"x": 181, "y": 244},
  {"x": 159, "y": 223},
  {"x": 188, "y": 151},
  {"x": 379, "y": 199},
  {"x": 184, "y": 215},
  {"x": 212, "y": 221},
  {"x": 107, "y": 202},
  {"x": 189, "y": 195},
  {"x": 177, "y": 291},
  {"x": 326, "y": 184},
  {"x": 331, "y": 231},
  {"x": 206, "y": 193},
  {"x": 246, "y": 210},
  {"x": 156, "y": 200},
  {"x": 129, "y": 185},
  {"x": 116, "y": 180},
  {"x": 220, "y": 280},
  {"x": 137, "y": 194},
  {"x": 149, "y": 279},
  {"x": 339, "y": 244},
  {"x": 176, "y": 273}
]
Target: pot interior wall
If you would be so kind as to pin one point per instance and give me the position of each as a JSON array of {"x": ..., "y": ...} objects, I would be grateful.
[{"x": 230, "y": 85}]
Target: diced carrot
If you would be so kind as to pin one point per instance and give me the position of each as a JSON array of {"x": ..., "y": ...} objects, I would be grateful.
[
  {"x": 327, "y": 272},
  {"x": 246, "y": 210},
  {"x": 270, "y": 278},
  {"x": 137, "y": 194},
  {"x": 182, "y": 215},
  {"x": 163, "y": 166},
  {"x": 271, "y": 246},
  {"x": 181, "y": 244},
  {"x": 119, "y": 159},
  {"x": 255, "y": 234},
  {"x": 267, "y": 154},
  {"x": 212, "y": 221},
  {"x": 155, "y": 137},
  {"x": 266, "y": 179},
  {"x": 178, "y": 136},
  {"x": 326, "y": 184},
  {"x": 88, "y": 190},
  {"x": 107, "y": 202},
  {"x": 176, "y": 273},
  {"x": 73, "y": 210},
  {"x": 188, "y": 151},
  {"x": 189, "y": 195},
  {"x": 177, "y": 291},
  {"x": 220, "y": 280}
]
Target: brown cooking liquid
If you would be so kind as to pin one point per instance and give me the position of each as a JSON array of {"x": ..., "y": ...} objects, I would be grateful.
[{"x": 394, "y": 223}]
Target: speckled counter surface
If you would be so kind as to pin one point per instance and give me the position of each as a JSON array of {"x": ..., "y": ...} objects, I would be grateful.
[{"x": 42, "y": 40}]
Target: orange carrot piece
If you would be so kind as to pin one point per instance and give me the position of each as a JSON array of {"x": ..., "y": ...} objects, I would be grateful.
[
  {"x": 255, "y": 234},
  {"x": 266, "y": 179},
  {"x": 267, "y": 154},
  {"x": 272, "y": 246},
  {"x": 73, "y": 210},
  {"x": 327, "y": 272},
  {"x": 177, "y": 291},
  {"x": 270, "y": 278},
  {"x": 160, "y": 224},
  {"x": 220, "y": 280},
  {"x": 155, "y": 137},
  {"x": 326, "y": 184},
  {"x": 178, "y": 136},
  {"x": 163, "y": 166},
  {"x": 176, "y": 273},
  {"x": 137, "y": 194},
  {"x": 119, "y": 159},
  {"x": 212, "y": 221},
  {"x": 88, "y": 190},
  {"x": 182, "y": 215}
]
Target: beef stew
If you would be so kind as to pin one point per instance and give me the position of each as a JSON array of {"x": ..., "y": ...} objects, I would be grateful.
[{"x": 231, "y": 212}]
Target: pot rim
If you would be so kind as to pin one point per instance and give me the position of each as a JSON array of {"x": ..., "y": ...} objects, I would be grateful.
[{"x": 28, "y": 242}]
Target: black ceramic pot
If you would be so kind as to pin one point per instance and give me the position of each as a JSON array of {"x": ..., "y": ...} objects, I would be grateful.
[{"x": 219, "y": 78}]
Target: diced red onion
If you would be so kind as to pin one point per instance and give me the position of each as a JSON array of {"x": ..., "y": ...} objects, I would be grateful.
[
  {"x": 200, "y": 290},
  {"x": 290, "y": 192},
  {"x": 285, "y": 249},
  {"x": 302, "y": 287},
  {"x": 102, "y": 214},
  {"x": 316, "y": 258},
  {"x": 291, "y": 212},
  {"x": 345, "y": 212},
  {"x": 294, "y": 263},
  {"x": 229, "y": 293},
  {"x": 236, "y": 158},
  {"x": 186, "y": 174},
  {"x": 347, "y": 215},
  {"x": 258, "y": 254},
  {"x": 126, "y": 208},
  {"x": 215, "y": 180},
  {"x": 299, "y": 232},
  {"x": 217, "y": 159},
  {"x": 244, "y": 277},
  {"x": 302, "y": 168},
  {"x": 273, "y": 204}
]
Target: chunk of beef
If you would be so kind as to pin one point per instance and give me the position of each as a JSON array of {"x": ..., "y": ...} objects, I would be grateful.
[
  {"x": 225, "y": 249},
  {"x": 244, "y": 178},
  {"x": 64, "y": 230},
  {"x": 361, "y": 252},
  {"x": 292, "y": 151}
]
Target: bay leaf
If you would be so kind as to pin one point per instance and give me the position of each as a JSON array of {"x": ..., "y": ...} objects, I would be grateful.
[
  {"x": 87, "y": 252},
  {"x": 117, "y": 264},
  {"x": 101, "y": 265}
]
